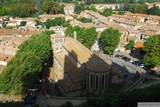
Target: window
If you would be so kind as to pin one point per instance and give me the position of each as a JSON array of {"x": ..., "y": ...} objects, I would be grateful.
[
  {"x": 97, "y": 81},
  {"x": 91, "y": 81},
  {"x": 102, "y": 81}
]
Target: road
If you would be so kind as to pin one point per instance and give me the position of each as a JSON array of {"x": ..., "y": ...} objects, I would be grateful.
[{"x": 122, "y": 65}]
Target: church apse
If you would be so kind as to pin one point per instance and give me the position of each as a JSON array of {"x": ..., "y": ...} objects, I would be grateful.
[{"x": 82, "y": 71}]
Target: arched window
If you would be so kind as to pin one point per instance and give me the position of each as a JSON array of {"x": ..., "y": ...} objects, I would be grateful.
[
  {"x": 102, "y": 81},
  {"x": 97, "y": 81},
  {"x": 91, "y": 81}
]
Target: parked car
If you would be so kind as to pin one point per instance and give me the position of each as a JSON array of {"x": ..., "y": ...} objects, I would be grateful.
[
  {"x": 127, "y": 59},
  {"x": 138, "y": 64},
  {"x": 134, "y": 62},
  {"x": 142, "y": 65},
  {"x": 121, "y": 56},
  {"x": 116, "y": 55},
  {"x": 29, "y": 100},
  {"x": 34, "y": 88},
  {"x": 111, "y": 55},
  {"x": 131, "y": 60},
  {"x": 124, "y": 58}
]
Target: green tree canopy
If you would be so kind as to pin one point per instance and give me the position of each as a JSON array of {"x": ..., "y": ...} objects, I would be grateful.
[
  {"x": 129, "y": 45},
  {"x": 42, "y": 45},
  {"x": 51, "y": 7},
  {"x": 121, "y": 12},
  {"x": 22, "y": 8},
  {"x": 110, "y": 38},
  {"x": 107, "y": 12},
  {"x": 93, "y": 8},
  {"x": 86, "y": 36},
  {"x": 85, "y": 20},
  {"x": 129, "y": 98},
  {"x": 56, "y": 22},
  {"x": 79, "y": 7},
  {"x": 138, "y": 8},
  {"x": 23, "y": 23},
  {"x": 20, "y": 73},
  {"x": 152, "y": 49}
]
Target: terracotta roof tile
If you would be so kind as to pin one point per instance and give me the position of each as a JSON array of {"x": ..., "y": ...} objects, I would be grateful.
[
  {"x": 84, "y": 55},
  {"x": 148, "y": 33},
  {"x": 139, "y": 45},
  {"x": 68, "y": 85}
]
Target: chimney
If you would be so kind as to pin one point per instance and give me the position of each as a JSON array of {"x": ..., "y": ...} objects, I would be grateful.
[{"x": 75, "y": 35}]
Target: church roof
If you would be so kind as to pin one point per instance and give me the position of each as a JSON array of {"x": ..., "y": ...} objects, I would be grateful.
[{"x": 84, "y": 55}]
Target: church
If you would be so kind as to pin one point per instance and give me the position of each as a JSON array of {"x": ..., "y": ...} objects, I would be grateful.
[{"x": 78, "y": 71}]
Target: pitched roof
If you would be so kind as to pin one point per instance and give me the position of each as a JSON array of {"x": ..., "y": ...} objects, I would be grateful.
[
  {"x": 57, "y": 35},
  {"x": 69, "y": 4},
  {"x": 68, "y": 85},
  {"x": 84, "y": 55},
  {"x": 148, "y": 33},
  {"x": 18, "y": 32},
  {"x": 126, "y": 17},
  {"x": 47, "y": 16},
  {"x": 75, "y": 22},
  {"x": 125, "y": 22},
  {"x": 131, "y": 30}
]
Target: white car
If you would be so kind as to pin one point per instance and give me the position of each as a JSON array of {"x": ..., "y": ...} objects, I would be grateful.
[
  {"x": 142, "y": 65},
  {"x": 131, "y": 60}
]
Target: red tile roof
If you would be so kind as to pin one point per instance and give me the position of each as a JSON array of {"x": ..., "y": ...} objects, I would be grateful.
[{"x": 139, "y": 45}]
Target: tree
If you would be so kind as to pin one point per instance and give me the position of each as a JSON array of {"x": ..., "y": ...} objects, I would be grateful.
[
  {"x": 67, "y": 1},
  {"x": 110, "y": 38},
  {"x": 93, "y": 8},
  {"x": 78, "y": 8},
  {"x": 56, "y": 22},
  {"x": 23, "y": 23},
  {"x": 88, "y": 2},
  {"x": 51, "y": 7},
  {"x": 57, "y": 7},
  {"x": 47, "y": 7},
  {"x": 22, "y": 8},
  {"x": 121, "y": 12},
  {"x": 38, "y": 22},
  {"x": 86, "y": 36},
  {"x": 152, "y": 49},
  {"x": 107, "y": 12},
  {"x": 129, "y": 45},
  {"x": 22, "y": 71},
  {"x": 41, "y": 48},
  {"x": 85, "y": 20}
]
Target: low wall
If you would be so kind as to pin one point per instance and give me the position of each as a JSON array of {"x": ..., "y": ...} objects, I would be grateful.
[{"x": 3, "y": 63}]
